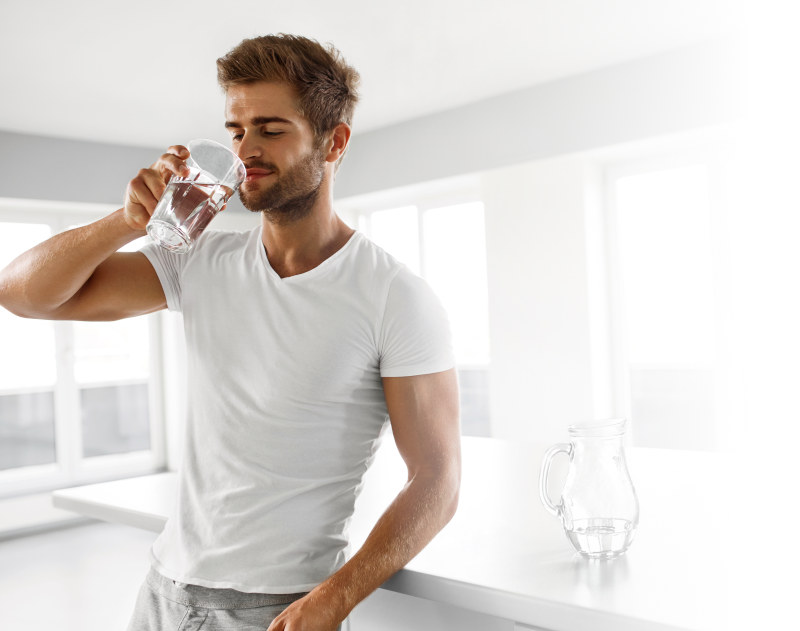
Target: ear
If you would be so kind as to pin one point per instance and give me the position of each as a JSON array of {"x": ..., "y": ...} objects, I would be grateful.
[{"x": 337, "y": 142}]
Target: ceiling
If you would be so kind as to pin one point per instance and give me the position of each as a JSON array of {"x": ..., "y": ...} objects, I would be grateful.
[{"x": 143, "y": 73}]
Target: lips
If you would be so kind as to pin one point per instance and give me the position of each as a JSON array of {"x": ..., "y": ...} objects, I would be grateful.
[{"x": 253, "y": 174}]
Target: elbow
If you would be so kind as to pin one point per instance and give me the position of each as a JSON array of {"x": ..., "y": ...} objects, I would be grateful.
[
  {"x": 19, "y": 306},
  {"x": 451, "y": 490},
  {"x": 18, "y": 297},
  {"x": 440, "y": 487},
  {"x": 12, "y": 296},
  {"x": 450, "y": 509},
  {"x": 453, "y": 507},
  {"x": 7, "y": 300}
]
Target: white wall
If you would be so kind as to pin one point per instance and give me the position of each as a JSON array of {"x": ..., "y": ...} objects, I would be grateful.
[
  {"x": 688, "y": 88},
  {"x": 541, "y": 377}
]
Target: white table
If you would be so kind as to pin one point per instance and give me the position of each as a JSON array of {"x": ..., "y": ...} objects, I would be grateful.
[{"x": 503, "y": 555}]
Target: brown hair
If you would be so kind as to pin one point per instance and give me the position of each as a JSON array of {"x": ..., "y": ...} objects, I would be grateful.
[{"x": 325, "y": 84}]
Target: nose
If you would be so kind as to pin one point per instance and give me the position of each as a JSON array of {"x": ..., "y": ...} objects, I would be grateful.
[{"x": 248, "y": 147}]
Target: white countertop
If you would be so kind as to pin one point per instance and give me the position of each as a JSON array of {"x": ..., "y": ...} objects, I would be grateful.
[{"x": 504, "y": 555}]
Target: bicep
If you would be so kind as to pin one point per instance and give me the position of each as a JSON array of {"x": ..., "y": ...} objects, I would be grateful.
[
  {"x": 424, "y": 413},
  {"x": 123, "y": 286}
]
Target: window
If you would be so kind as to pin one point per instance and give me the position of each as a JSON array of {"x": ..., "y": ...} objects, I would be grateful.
[
  {"x": 669, "y": 280},
  {"x": 445, "y": 244},
  {"x": 27, "y": 372},
  {"x": 78, "y": 400}
]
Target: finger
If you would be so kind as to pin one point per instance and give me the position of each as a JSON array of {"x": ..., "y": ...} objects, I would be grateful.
[
  {"x": 153, "y": 181},
  {"x": 179, "y": 150},
  {"x": 169, "y": 165},
  {"x": 146, "y": 189},
  {"x": 173, "y": 162}
]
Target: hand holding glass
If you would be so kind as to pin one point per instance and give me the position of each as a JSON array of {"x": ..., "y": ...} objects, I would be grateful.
[{"x": 190, "y": 202}]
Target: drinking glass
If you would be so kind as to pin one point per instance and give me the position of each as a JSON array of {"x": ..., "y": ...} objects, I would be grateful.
[{"x": 190, "y": 202}]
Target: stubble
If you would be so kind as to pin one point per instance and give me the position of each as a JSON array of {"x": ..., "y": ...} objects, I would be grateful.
[{"x": 293, "y": 195}]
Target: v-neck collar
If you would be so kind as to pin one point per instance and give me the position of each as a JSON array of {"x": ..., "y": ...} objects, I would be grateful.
[{"x": 314, "y": 271}]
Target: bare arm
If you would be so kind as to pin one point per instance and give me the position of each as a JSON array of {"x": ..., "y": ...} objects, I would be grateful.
[
  {"x": 79, "y": 275},
  {"x": 425, "y": 422}
]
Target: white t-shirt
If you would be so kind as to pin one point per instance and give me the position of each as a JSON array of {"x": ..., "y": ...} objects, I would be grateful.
[{"x": 285, "y": 403}]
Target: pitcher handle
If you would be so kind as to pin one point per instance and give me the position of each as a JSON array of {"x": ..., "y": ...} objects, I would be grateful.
[{"x": 545, "y": 472}]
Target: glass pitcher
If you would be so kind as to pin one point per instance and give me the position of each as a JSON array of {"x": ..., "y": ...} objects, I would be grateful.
[{"x": 598, "y": 507}]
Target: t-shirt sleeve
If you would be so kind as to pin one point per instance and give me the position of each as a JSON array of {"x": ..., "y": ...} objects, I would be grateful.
[
  {"x": 415, "y": 336},
  {"x": 168, "y": 266}
]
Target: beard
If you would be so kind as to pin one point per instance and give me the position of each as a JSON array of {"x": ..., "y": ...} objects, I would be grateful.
[{"x": 291, "y": 197}]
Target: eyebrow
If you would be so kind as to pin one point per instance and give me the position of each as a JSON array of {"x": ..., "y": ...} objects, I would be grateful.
[{"x": 259, "y": 120}]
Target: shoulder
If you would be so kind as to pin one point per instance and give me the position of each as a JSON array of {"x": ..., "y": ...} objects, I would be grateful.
[
  {"x": 370, "y": 255},
  {"x": 366, "y": 269},
  {"x": 415, "y": 335},
  {"x": 395, "y": 280},
  {"x": 407, "y": 290}
]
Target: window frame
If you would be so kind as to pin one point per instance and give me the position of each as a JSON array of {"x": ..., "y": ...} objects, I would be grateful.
[{"x": 71, "y": 467}]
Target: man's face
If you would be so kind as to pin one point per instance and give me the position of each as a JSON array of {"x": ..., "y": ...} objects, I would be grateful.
[{"x": 276, "y": 143}]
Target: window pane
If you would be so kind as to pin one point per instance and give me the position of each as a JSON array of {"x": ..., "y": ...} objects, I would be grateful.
[
  {"x": 397, "y": 231},
  {"x": 28, "y": 345},
  {"x": 106, "y": 352},
  {"x": 665, "y": 248},
  {"x": 455, "y": 265},
  {"x": 112, "y": 368},
  {"x": 27, "y": 429},
  {"x": 454, "y": 259},
  {"x": 473, "y": 384},
  {"x": 27, "y": 369},
  {"x": 115, "y": 419}
]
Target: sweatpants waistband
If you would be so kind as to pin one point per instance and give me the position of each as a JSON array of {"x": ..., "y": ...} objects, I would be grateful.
[{"x": 213, "y": 598}]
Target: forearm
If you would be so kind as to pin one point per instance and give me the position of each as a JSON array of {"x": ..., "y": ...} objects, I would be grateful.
[
  {"x": 45, "y": 277},
  {"x": 418, "y": 513},
  {"x": 425, "y": 424}
]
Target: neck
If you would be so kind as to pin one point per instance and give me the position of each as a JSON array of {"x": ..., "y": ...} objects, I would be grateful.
[{"x": 298, "y": 246}]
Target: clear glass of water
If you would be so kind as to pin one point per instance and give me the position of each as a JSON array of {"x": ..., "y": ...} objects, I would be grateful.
[
  {"x": 598, "y": 507},
  {"x": 190, "y": 203}
]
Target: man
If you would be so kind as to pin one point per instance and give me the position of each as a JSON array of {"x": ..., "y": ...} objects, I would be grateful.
[{"x": 301, "y": 337}]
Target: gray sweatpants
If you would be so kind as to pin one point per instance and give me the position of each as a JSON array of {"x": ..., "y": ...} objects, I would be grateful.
[{"x": 164, "y": 605}]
